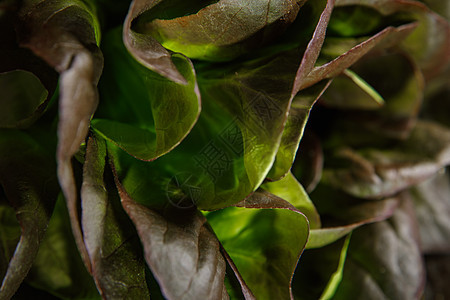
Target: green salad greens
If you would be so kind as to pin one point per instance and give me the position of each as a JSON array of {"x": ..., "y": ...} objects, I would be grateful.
[{"x": 224, "y": 149}]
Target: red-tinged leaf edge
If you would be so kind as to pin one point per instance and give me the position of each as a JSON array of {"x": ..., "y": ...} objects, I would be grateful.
[{"x": 145, "y": 49}]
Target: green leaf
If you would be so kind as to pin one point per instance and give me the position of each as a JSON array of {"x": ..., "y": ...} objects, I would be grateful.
[
  {"x": 73, "y": 27},
  {"x": 231, "y": 148},
  {"x": 110, "y": 239},
  {"x": 28, "y": 180},
  {"x": 266, "y": 264},
  {"x": 384, "y": 260},
  {"x": 236, "y": 286},
  {"x": 180, "y": 249},
  {"x": 220, "y": 31},
  {"x": 256, "y": 97},
  {"x": 20, "y": 107},
  {"x": 336, "y": 278},
  {"x": 19, "y": 67},
  {"x": 142, "y": 112},
  {"x": 292, "y": 191},
  {"x": 233, "y": 145}
]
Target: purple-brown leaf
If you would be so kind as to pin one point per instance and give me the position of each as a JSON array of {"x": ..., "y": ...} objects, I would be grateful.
[
  {"x": 63, "y": 34},
  {"x": 182, "y": 252}
]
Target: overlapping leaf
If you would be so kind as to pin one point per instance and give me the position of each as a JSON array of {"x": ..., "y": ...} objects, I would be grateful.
[
  {"x": 292, "y": 191},
  {"x": 144, "y": 48},
  {"x": 429, "y": 43},
  {"x": 237, "y": 288},
  {"x": 378, "y": 172},
  {"x": 18, "y": 68},
  {"x": 180, "y": 249},
  {"x": 222, "y": 30},
  {"x": 388, "y": 100},
  {"x": 266, "y": 264},
  {"x": 353, "y": 218},
  {"x": 303, "y": 101},
  {"x": 253, "y": 118},
  {"x": 384, "y": 260},
  {"x": 110, "y": 239},
  {"x": 65, "y": 34},
  {"x": 142, "y": 112},
  {"x": 19, "y": 106},
  {"x": 293, "y": 131},
  {"x": 384, "y": 38},
  {"x": 29, "y": 182},
  {"x": 232, "y": 147},
  {"x": 432, "y": 208},
  {"x": 58, "y": 267},
  {"x": 319, "y": 271}
]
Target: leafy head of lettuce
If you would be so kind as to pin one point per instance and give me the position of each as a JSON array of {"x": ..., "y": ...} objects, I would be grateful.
[{"x": 202, "y": 146}]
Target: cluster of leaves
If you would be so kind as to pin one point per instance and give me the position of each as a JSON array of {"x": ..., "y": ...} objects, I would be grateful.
[{"x": 205, "y": 172}]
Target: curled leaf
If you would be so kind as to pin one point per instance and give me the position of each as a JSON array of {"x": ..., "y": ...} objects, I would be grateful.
[
  {"x": 230, "y": 150},
  {"x": 65, "y": 35},
  {"x": 266, "y": 265},
  {"x": 182, "y": 252},
  {"x": 293, "y": 131},
  {"x": 313, "y": 49},
  {"x": 20, "y": 107},
  {"x": 142, "y": 112},
  {"x": 110, "y": 239},
  {"x": 144, "y": 48},
  {"x": 19, "y": 67},
  {"x": 302, "y": 101},
  {"x": 292, "y": 191},
  {"x": 221, "y": 30}
]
